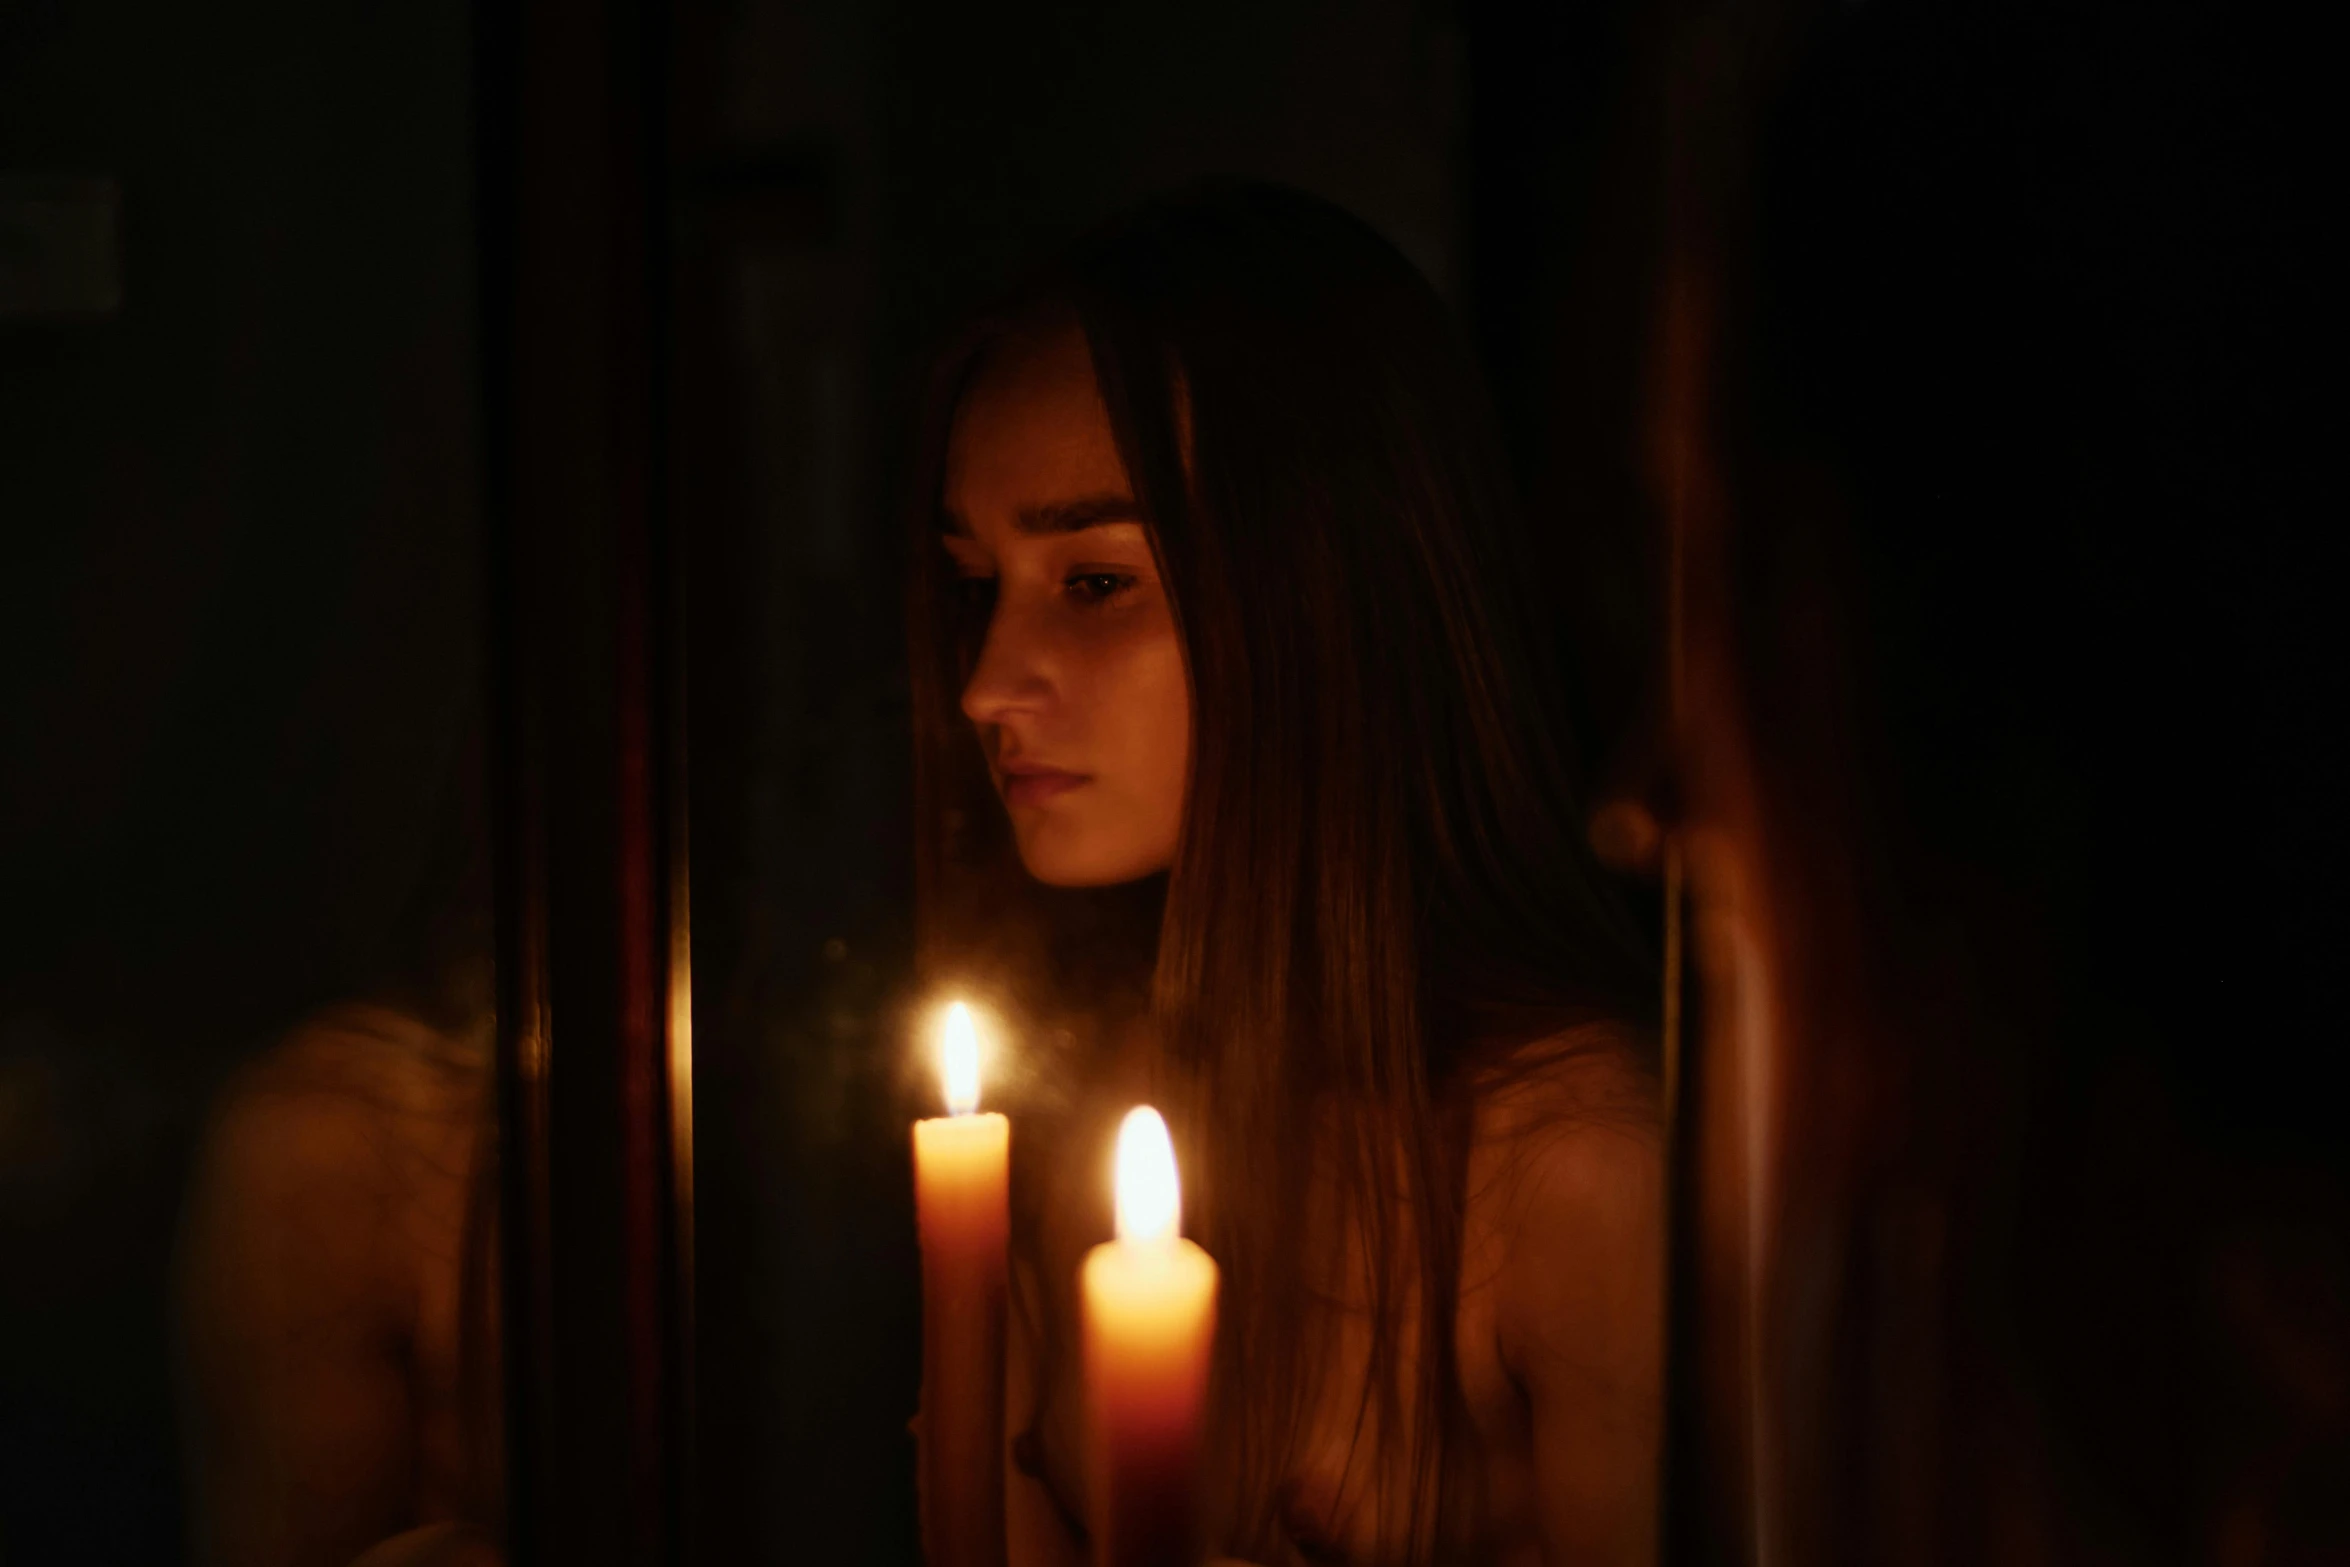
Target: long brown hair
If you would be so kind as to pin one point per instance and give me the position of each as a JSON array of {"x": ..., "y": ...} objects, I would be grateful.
[{"x": 1382, "y": 884}]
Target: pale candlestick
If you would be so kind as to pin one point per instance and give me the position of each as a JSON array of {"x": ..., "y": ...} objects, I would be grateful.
[
  {"x": 1150, "y": 1321},
  {"x": 963, "y": 1217}
]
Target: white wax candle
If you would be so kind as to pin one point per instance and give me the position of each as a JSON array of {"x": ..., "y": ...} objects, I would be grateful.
[
  {"x": 1150, "y": 1321},
  {"x": 962, "y": 1212}
]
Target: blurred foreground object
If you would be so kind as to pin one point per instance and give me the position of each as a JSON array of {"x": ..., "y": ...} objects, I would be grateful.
[{"x": 2014, "y": 1223}]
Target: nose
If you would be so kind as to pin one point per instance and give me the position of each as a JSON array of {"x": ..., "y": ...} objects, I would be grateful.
[{"x": 1012, "y": 676}]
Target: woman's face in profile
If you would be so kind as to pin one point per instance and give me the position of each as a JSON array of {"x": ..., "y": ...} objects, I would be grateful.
[{"x": 1079, "y": 693}]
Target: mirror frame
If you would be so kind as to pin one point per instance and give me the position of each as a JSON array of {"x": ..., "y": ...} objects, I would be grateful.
[{"x": 594, "y": 1058}]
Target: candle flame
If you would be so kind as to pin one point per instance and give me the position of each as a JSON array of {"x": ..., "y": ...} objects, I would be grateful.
[
  {"x": 1150, "y": 1198},
  {"x": 959, "y": 1059}
]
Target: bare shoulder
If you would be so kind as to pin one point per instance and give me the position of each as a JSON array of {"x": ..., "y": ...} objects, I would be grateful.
[
  {"x": 1568, "y": 1182},
  {"x": 1575, "y": 1113},
  {"x": 318, "y": 1153},
  {"x": 371, "y": 1059},
  {"x": 321, "y": 1233},
  {"x": 1566, "y": 1224}
]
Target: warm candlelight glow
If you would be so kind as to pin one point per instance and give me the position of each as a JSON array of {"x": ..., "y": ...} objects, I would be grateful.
[
  {"x": 1150, "y": 1201},
  {"x": 958, "y": 1054},
  {"x": 962, "y": 1217},
  {"x": 1149, "y": 1302}
]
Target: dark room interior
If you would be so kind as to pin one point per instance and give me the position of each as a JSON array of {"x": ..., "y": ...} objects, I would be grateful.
[{"x": 454, "y": 468}]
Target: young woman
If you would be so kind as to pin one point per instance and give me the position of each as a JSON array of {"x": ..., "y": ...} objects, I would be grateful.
[
  {"x": 1242, "y": 780},
  {"x": 1243, "y": 785}
]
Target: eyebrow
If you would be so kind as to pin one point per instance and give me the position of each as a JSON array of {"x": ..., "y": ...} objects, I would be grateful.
[{"x": 1071, "y": 516}]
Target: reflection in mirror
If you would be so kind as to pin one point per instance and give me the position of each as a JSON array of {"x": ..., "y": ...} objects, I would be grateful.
[
  {"x": 244, "y": 979},
  {"x": 2018, "y": 1222},
  {"x": 336, "y": 1312}
]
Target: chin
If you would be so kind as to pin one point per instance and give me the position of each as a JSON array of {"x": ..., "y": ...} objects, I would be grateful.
[{"x": 1065, "y": 859}]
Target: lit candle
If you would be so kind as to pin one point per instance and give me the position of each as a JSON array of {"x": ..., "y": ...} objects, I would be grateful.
[
  {"x": 1150, "y": 1317},
  {"x": 962, "y": 1212}
]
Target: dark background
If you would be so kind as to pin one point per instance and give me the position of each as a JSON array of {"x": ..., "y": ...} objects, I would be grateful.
[
  {"x": 2028, "y": 408},
  {"x": 241, "y": 615},
  {"x": 2037, "y": 291},
  {"x": 239, "y": 656}
]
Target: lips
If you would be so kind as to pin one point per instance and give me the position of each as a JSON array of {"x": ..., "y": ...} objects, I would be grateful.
[{"x": 1028, "y": 783}]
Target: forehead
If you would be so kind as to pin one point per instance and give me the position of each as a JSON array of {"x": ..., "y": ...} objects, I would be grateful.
[{"x": 1030, "y": 433}]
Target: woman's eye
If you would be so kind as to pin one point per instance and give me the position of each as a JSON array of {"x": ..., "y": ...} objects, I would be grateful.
[{"x": 1096, "y": 587}]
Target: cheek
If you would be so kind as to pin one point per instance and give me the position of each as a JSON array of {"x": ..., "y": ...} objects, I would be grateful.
[
  {"x": 1164, "y": 711},
  {"x": 1128, "y": 710},
  {"x": 1144, "y": 703}
]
